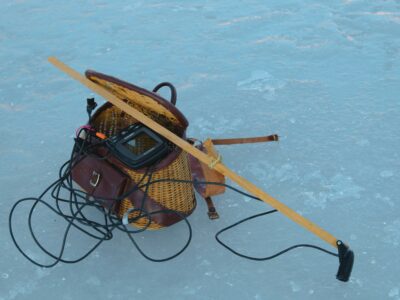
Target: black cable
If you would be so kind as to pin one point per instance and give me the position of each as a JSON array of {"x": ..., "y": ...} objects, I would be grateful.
[
  {"x": 242, "y": 221},
  {"x": 177, "y": 253},
  {"x": 78, "y": 200},
  {"x": 197, "y": 182},
  {"x": 69, "y": 218},
  {"x": 268, "y": 257}
]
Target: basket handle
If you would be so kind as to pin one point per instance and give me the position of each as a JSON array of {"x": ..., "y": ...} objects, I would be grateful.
[{"x": 171, "y": 87}]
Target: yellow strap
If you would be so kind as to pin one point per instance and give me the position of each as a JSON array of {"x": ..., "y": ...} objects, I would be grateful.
[{"x": 212, "y": 164}]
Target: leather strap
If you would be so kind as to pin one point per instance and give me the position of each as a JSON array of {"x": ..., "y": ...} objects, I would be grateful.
[
  {"x": 212, "y": 212},
  {"x": 260, "y": 139}
]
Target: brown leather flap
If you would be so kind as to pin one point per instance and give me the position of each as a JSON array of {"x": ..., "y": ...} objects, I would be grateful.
[
  {"x": 100, "y": 180},
  {"x": 201, "y": 172}
]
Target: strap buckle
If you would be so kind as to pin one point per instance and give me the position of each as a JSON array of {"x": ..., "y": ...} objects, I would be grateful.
[{"x": 94, "y": 180}]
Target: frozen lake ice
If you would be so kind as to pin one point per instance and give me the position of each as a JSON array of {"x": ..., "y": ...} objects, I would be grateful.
[{"x": 323, "y": 75}]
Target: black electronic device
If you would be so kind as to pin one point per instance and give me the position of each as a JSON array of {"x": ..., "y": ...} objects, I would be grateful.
[{"x": 138, "y": 146}]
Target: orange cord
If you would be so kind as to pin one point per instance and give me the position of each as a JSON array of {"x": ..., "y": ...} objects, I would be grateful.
[{"x": 101, "y": 135}]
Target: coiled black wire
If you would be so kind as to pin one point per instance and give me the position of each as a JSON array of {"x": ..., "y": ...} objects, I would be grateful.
[{"x": 78, "y": 200}]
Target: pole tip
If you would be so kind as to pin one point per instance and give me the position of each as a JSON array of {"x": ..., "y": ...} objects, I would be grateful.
[{"x": 346, "y": 261}]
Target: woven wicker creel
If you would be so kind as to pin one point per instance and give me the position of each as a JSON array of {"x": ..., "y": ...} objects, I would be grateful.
[{"x": 173, "y": 196}]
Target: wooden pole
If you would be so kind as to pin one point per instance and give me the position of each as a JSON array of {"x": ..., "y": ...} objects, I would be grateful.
[{"x": 219, "y": 166}]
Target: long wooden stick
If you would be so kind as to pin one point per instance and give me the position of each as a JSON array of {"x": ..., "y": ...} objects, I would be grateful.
[{"x": 219, "y": 166}]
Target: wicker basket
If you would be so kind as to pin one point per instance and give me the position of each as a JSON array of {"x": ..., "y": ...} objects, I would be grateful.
[{"x": 163, "y": 196}]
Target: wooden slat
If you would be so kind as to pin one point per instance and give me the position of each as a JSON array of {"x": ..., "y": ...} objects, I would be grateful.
[{"x": 220, "y": 167}]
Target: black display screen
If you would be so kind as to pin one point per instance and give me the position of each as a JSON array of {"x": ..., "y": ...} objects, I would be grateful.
[{"x": 140, "y": 144}]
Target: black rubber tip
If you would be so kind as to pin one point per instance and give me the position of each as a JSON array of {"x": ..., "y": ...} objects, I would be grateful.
[{"x": 346, "y": 261}]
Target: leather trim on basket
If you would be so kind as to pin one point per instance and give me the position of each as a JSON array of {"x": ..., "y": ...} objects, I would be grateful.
[{"x": 168, "y": 105}]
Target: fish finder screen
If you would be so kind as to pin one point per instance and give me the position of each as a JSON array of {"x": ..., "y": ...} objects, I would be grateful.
[{"x": 140, "y": 144}]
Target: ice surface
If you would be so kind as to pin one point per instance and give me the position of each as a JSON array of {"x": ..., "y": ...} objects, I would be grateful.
[{"x": 324, "y": 75}]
